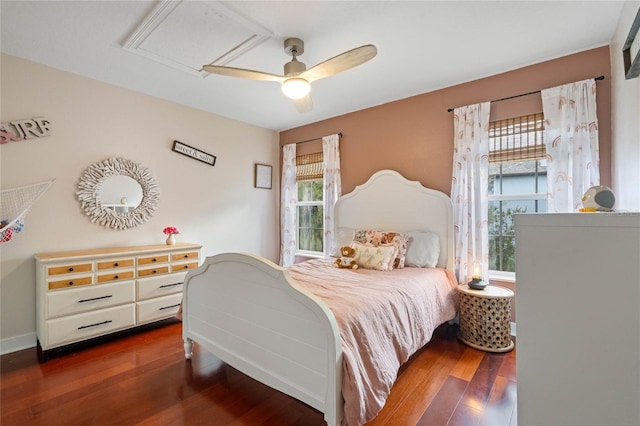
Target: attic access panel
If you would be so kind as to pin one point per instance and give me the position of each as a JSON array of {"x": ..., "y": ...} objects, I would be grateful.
[{"x": 189, "y": 34}]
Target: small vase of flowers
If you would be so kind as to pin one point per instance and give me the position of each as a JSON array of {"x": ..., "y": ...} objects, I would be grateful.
[{"x": 170, "y": 231}]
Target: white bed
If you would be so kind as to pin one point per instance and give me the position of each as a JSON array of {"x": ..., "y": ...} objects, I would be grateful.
[{"x": 251, "y": 314}]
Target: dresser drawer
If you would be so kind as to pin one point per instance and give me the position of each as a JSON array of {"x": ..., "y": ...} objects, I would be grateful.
[
  {"x": 152, "y": 260},
  {"x": 116, "y": 263},
  {"x": 187, "y": 255},
  {"x": 74, "y": 328},
  {"x": 69, "y": 269},
  {"x": 78, "y": 300},
  {"x": 115, "y": 276},
  {"x": 153, "y": 271},
  {"x": 160, "y": 286},
  {"x": 184, "y": 266},
  {"x": 70, "y": 282},
  {"x": 161, "y": 307}
]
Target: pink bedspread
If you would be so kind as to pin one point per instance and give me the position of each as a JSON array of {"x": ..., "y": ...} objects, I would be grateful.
[{"x": 384, "y": 317}]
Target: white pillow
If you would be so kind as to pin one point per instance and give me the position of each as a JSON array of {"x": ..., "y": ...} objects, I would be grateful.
[
  {"x": 379, "y": 257},
  {"x": 343, "y": 237},
  {"x": 423, "y": 249}
]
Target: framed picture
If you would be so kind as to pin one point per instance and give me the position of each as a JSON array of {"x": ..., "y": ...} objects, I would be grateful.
[
  {"x": 263, "y": 176},
  {"x": 631, "y": 50}
]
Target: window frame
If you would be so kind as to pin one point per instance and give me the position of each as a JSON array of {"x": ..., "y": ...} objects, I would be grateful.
[
  {"x": 508, "y": 275},
  {"x": 320, "y": 203},
  {"x": 524, "y": 153}
]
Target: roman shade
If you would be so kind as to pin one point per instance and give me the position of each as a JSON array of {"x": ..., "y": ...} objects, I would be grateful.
[
  {"x": 517, "y": 139},
  {"x": 309, "y": 167}
]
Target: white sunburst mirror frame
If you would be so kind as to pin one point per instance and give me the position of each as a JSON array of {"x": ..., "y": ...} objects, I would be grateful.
[{"x": 94, "y": 177}]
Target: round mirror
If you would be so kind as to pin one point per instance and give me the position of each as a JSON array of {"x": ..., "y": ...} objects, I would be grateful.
[{"x": 118, "y": 193}]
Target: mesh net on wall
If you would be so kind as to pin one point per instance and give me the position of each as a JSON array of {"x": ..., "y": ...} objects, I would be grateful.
[{"x": 15, "y": 203}]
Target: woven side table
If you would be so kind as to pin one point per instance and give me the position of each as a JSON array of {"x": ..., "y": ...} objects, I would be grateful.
[{"x": 485, "y": 318}]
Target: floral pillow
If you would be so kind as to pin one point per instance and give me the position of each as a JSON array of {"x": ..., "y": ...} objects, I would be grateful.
[
  {"x": 376, "y": 238},
  {"x": 380, "y": 258}
]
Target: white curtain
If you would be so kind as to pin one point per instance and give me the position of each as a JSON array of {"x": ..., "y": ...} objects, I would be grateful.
[
  {"x": 469, "y": 190},
  {"x": 288, "y": 206},
  {"x": 332, "y": 187},
  {"x": 571, "y": 138}
]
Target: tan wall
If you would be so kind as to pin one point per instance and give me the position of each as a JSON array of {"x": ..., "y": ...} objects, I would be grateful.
[
  {"x": 91, "y": 121},
  {"x": 414, "y": 136}
]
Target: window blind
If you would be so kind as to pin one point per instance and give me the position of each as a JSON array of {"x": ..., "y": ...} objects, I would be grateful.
[
  {"x": 309, "y": 167},
  {"x": 517, "y": 139}
]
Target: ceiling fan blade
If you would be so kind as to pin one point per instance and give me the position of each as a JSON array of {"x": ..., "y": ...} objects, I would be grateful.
[
  {"x": 243, "y": 73},
  {"x": 339, "y": 63},
  {"x": 304, "y": 104}
]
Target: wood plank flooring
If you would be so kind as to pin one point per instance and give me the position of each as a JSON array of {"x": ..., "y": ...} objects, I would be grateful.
[{"x": 143, "y": 379}]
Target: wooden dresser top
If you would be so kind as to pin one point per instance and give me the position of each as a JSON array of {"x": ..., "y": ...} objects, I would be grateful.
[{"x": 117, "y": 250}]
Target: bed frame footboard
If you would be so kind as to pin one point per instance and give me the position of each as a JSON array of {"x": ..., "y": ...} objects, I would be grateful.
[{"x": 248, "y": 312}]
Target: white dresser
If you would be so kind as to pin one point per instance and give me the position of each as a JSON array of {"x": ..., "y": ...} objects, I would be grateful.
[
  {"x": 578, "y": 317},
  {"x": 89, "y": 293}
]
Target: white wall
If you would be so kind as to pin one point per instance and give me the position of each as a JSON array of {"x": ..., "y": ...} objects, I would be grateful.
[
  {"x": 217, "y": 207},
  {"x": 625, "y": 119}
]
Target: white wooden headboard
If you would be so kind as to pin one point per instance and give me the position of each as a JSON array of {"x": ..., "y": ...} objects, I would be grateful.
[{"x": 389, "y": 202}]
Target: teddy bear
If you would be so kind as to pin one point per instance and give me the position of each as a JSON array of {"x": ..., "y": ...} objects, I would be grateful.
[{"x": 347, "y": 260}]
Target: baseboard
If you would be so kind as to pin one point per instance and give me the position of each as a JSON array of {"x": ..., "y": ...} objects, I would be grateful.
[
  {"x": 513, "y": 328},
  {"x": 18, "y": 343}
]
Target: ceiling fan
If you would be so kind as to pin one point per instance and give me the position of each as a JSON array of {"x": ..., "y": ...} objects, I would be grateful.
[{"x": 297, "y": 78}]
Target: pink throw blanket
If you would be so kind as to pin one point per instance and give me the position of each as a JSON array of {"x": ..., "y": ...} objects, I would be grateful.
[{"x": 384, "y": 317}]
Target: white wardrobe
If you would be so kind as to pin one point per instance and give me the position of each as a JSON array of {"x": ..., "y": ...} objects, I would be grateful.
[{"x": 578, "y": 319}]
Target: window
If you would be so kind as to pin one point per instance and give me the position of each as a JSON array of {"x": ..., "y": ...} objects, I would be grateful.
[
  {"x": 309, "y": 178},
  {"x": 517, "y": 182}
]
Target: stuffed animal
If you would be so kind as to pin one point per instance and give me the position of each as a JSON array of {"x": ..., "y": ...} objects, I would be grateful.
[{"x": 347, "y": 260}]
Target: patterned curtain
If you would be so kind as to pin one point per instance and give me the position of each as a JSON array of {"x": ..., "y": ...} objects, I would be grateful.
[
  {"x": 571, "y": 135},
  {"x": 288, "y": 206},
  {"x": 332, "y": 187},
  {"x": 470, "y": 189}
]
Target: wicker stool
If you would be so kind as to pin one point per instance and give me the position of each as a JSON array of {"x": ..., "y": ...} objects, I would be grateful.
[{"x": 485, "y": 318}]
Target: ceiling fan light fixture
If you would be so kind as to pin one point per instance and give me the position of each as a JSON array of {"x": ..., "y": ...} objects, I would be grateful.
[
  {"x": 296, "y": 88},
  {"x": 296, "y": 79}
]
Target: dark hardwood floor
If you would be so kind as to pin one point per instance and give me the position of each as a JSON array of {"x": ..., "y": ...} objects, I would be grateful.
[{"x": 142, "y": 378}]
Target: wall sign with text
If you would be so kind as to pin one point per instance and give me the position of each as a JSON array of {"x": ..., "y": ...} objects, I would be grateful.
[
  {"x": 195, "y": 153},
  {"x": 19, "y": 130}
]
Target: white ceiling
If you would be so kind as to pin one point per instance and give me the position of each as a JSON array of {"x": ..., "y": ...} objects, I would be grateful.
[{"x": 422, "y": 46}]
